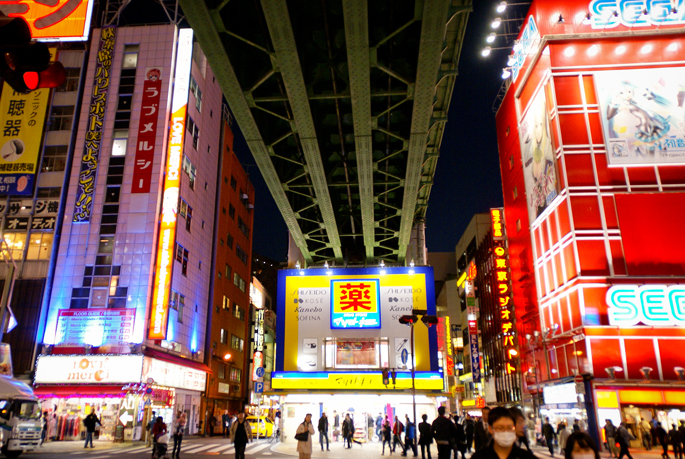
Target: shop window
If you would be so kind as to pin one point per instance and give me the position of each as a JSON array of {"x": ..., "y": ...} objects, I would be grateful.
[
  {"x": 16, "y": 242},
  {"x": 40, "y": 246},
  {"x": 370, "y": 353},
  {"x": 54, "y": 158}
]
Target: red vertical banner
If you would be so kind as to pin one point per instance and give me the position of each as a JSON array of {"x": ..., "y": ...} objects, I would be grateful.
[{"x": 147, "y": 132}]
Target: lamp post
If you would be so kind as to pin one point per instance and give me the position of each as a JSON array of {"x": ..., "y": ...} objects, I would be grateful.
[{"x": 411, "y": 320}]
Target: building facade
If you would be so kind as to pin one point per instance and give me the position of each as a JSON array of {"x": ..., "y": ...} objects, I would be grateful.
[
  {"x": 124, "y": 329},
  {"x": 593, "y": 167}
]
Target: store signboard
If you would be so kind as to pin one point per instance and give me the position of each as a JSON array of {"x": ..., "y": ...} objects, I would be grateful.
[
  {"x": 256, "y": 294},
  {"x": 173, "y": 375},
  {"x": 309, "y": 301},
  {"x": 607, "y": 14},
  {"x": 354, "y": 381},
  {"x": 97, "y": 327},
  {"x": 56, "y": 20},
  {"x": 560, "y": 393},
  {"x": 497, "y": 219},
  {"x": 159, "y": 313},
  {"x": 639, "y": 110},
  {"x": 88, "y": 369},
  {"x": 147, "y": 131},
  {"x": 529, "y": 38},
  {"x": 654, "y": 305}
]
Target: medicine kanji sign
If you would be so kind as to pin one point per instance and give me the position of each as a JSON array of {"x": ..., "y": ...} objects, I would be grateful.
[{"x": 354, "y": 304}]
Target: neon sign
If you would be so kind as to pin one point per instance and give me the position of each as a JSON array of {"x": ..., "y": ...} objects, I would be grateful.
[
  {"x": 506, "y": 307},
  {"x": 656, "y": 305},
  {"x": 496, "y": 216},
  {"x": 607, "y": 14},
  {"x": 529, "y": 37},
  {"x": 172, "y": 182},
  {"x": 354, "y": 304},
  {"x": 58, "y": 20}
]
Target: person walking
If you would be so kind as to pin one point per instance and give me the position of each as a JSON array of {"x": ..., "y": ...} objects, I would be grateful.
[
  {"x": 563, "y": 438},
  {"x": 610, "y": 433},
  {"x": 425, "y": 437},
  {"x": 148, "y": 429},
  {"x": 181, "y": 421},
  {"x": 646, "y": 431},
  {"x": 397, "y": 430},
  {"x": 386, "y": 433},
  {"x": 482, "y": 434},
  {"x": 158, "y": 429},
  {"x": 346, "y": 430},
  {"x": 662, "y": 435},
  {"x": 351, "y": 429},
  {"x": 550, "y": 435},
  {"x": 304, "y": 447},
  {"x": 90, "y": 423},
  {"x": 459, "y": 440},
  {"x": 521, "y": 425},
  {"x": 623, "y": 439},
  {"x": 469, "y": 428},
  {"x": 212, "y": 425},
  {"x": 379, "y": 425},
  {"x": 674, "y": 440},
  {"x": 443, "y": 431},
  {"x": 323, "y": 430},
  {"x": 336, "y": 425},
  {"x": 226, "y": 424},
  {"x": 501, "y": 424},
  {"x": 241, "y": 435},
  {"x": 580, "y": 445},
  {"x": 409, "y": 437}
]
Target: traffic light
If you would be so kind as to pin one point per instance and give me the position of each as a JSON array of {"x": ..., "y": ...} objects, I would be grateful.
[
  {"x": 386, "y": 377},
  {"x": 26, "y": 65},
  {"x": 409, "y": 319}
]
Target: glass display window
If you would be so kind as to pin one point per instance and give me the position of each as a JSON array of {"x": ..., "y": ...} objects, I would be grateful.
[{"x": 356, "y": 353}]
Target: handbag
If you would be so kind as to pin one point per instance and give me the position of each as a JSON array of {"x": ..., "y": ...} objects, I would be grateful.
[{"x": 302, "y": 436}]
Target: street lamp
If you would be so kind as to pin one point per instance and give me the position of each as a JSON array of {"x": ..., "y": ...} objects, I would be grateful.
[{"x": 411, "y": 320}]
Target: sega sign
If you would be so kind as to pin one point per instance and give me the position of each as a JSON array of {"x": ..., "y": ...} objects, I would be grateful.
[
  {"x": 656, "y": 305},
  {"x": 607, "y": 14},
  {"x": 529, "y": 37}
]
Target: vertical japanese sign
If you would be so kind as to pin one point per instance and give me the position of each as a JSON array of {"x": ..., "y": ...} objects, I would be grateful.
[
  {"x": 147, "y": 132},
  {"x": 172, "y": 181},
  {"x": 23, "y": 119},
  {"x": 258, "y": 357},
  {"x": 473, "y": 330},
  {"x": 497, "y": 218},
  {"x": 354, "y": 304},
  {"x": 94, "y": 129},
  {"x": 502, "y": 290}
]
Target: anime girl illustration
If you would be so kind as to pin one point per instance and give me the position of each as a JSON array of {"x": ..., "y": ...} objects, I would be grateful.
[{"x": 650, "y": 126}]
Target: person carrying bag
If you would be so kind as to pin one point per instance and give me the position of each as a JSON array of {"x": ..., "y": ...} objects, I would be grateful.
[{"x": 303, "y": 435}]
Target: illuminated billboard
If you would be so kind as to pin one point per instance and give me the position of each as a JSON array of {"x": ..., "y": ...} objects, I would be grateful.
[
  {"x": 340, "y": 330},
  {"x": 56, "y": 20},
  {"x": 159, "y": 314},
  {"x": 640, "y": 110},
  {"x": 654, "y": 305}
]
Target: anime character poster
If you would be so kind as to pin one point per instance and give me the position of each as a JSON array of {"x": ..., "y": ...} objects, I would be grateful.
[
  {"x": 643, "y": 115},
  {"x": 539, "y": 164}
]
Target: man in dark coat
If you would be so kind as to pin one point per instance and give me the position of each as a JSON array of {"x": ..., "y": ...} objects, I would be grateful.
[
  {"x": 469, "y": 429},
  {"x": 90, "y": 423},
  {"x": 443, "y": 430},
  {"x": 425, "y": 437},
  {"x": 482, "y": 434},
  {"x": 550, "y": 435},
  {"x": 226, "y": 424},
  {"x": 323, "y": 430}
]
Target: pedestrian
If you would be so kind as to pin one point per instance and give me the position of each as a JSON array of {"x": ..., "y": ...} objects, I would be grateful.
[
  {"x": 386, "y": 432},
  {"x": 502, "y": 427},
  {"x": 241, "y": 435},
  {"x": 346, "y": 430},
  {"x": 550, "y": 435},
  {"x": 304, "y": 447},
  {"x": 646, "y": 431},
  {"x": 44, "y": 432},
  {"x": 425, "y": 437},
  {"x": 482, "y": 434},
  {"x": 226, "y": 424},
  {"x": 610, "y": 434},
  {"x": 158, "y": 429},
  {"x": 681, "y": 431},
  {"x": 409, "y": 437},
  {"x": 579, "y": 445},
  {"x": 623, "y": 438},
  {"x": 576, "y": 426},
  {"x": 563, "y": 437},
  {"x": 351, "y": 429},
  {"x": 662, "y": 436},
  {"x": 379, "y": 426},
  {"x": 521, "y": 425},
  {"x": 181, "y": 421},
  {"x": 397, "y": 430},
  {"x": 674, "y": 440},
  {"x": 323, "y": 430},
  {"x": 443, "y": 431},
  {"x": 336, "y": 425},
  {"x": 212, "y": 425},
  {"x": 90, "y": 423},
  {"x": 148, "y": 429},
  {"x": 459, "y": 440},
  {"x": 469, "y": 429}
]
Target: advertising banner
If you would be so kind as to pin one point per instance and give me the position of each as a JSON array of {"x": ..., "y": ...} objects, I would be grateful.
[
  {"x": 540, "y": 170},
  {"x": 23, "y": 120},
  {"x": 173, "y": 375},
  {"x": 159, "y": 314},
  {"x": 642, "y": 113},
  {"x": 147, "y": 132},
  {"x": 97, "y": 327},
  {"x": 55, "y": 20},
  {"x": 88, "y": 369},
  {"x": 349, "y": 320},
  {"x": 96, "y": 121}
]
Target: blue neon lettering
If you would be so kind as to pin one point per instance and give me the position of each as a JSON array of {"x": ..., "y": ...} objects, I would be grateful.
[
  {"x": 623, "y": 307},
  {"x": 676, "y": 300},
  {"x": 656, "y": 305},
  {"x": 629, "y": 13},
  {"x": 654, "y": 308}
]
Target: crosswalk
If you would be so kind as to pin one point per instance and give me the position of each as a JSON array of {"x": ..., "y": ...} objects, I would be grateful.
[{"x": 187, "y": 448}]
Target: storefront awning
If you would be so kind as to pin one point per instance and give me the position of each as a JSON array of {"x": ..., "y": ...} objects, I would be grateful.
[{"x": 177, "y": 360}]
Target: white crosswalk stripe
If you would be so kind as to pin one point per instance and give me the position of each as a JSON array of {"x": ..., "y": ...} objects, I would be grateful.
[
  {"x": 134, "y": 450},
  {"x": 221, "y": 448},
  {"x": 198, "y": 448},
  {"x": 257, "y": 448}
]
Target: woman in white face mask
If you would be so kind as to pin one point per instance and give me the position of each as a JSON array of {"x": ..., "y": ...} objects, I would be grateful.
[
  {"x": 502, "y": 425},
  {"x": 580, "y": 445}
]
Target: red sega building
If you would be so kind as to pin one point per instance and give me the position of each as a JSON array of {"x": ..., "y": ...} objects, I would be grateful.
[{"x": 591, "y": 136}]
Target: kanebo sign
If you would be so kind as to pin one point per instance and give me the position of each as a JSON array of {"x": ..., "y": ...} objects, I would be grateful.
[{"x": 656, "y": 305}]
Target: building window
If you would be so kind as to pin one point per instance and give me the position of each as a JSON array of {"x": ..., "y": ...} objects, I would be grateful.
[
  {"x": 195, "y": 89},
  {"x": 241, "y": 254},
  {"x": 16, "y": 243},
  {"x": 242, "y": 226},
  {"x": 226, "y": 303},
  {"x": 119, "y": 142},
  {"x": 228, "y": 271},
  {"x": 52, "y": 192},
  {"x": 515, "y": 193},
  {"x": 178, "y": 303},
  {"x": 182, "y": 257},
  {"x": 54, "y": 158},
  {"x": 511, "y": 162},
  {"x": 73, "y": 75},
  {"x": 239, "y": 282},
  {"x": 190, "y": 170},
  {"x": 130, "y": 56},
  {"x": 229, "y": 241},
  {"x": 185, "y": 211},
  {"x": 238, "y": 312},
  {"x": 231, "y": 211},
  {"x": 237, "y": 343},
  {"x": 345, "y": 353},
  {"x": 518, "y": 225},
  {"x": 235, "y": 374},
  {"x": 106, "y": 244},
  {"x": 61, "y": 118},
  {"x": 224, "y": 336},
  {"x": 194, "y": 131},
  {"x": 40, "y": 246},
  {"x": 234, "y": 182},
  {"x": 222, "y": 371}
]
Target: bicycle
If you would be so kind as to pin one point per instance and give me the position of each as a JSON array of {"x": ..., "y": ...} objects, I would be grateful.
[{"x": 275, "y": 434}]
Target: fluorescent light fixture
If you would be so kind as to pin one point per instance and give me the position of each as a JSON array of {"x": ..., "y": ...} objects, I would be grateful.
[
  {"x": 593, "y": 50},
  {"x": 491, "y": 37},
  {"x": 496, "y": 23},
  {"x": 620, "y": 49},
  {"x": 505, "y": 74},
  {"x": 501, "y": 7},
  {"x": 486, "y": 51},
  {"x": 646, "y": 49}
]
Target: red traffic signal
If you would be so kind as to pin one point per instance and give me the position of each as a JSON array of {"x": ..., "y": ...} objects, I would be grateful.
[
  {"x": 24, "y": 65},
  {"x": 386, "y": 376},
  {"x": 409, "y": 319}
]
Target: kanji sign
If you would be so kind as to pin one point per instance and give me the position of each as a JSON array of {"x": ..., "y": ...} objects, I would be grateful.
[
  {"x": 147, "y": 132},
  {"x": 56, "y": 20},
  {"x": 354, "y": 304},
  {"x": 94, "y": 128},
  {"x": 497, "y": 218}
]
